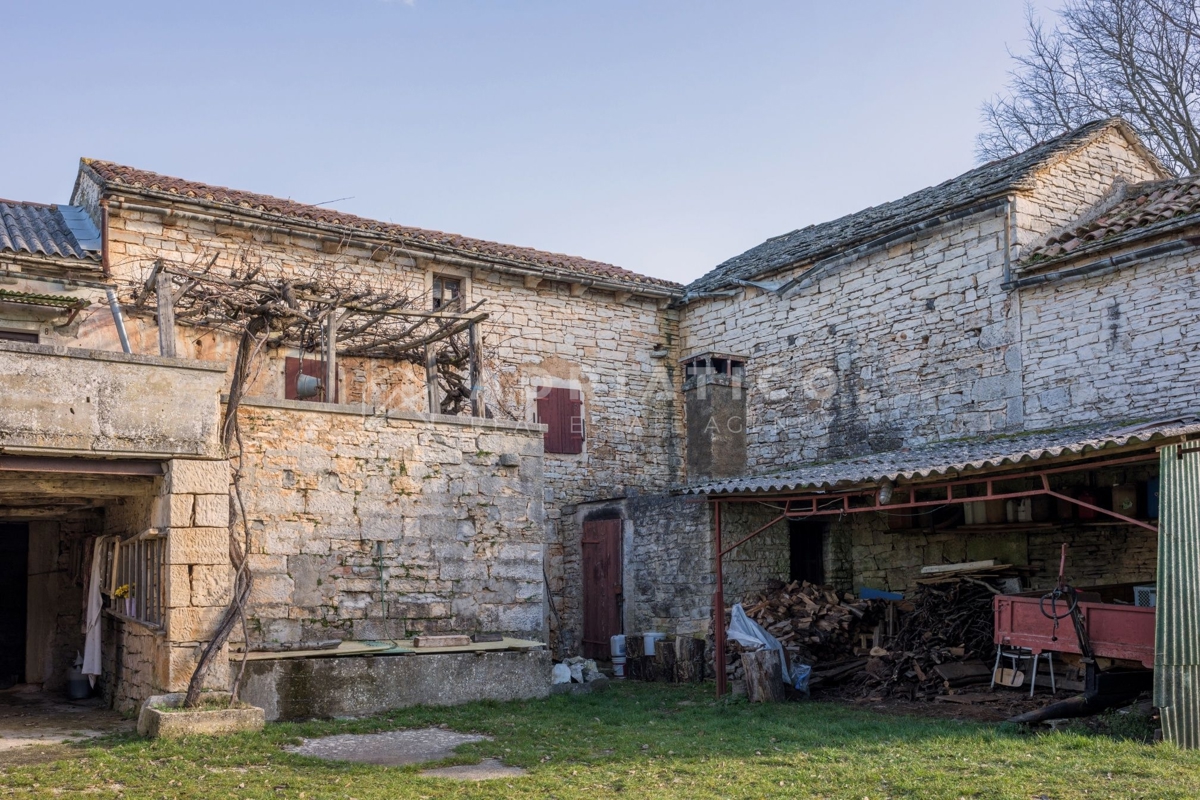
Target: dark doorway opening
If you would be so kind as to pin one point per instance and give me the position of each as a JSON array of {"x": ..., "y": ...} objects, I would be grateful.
[
  {"x": 601, "y": 586},
  {"x": 14, "y": 570},
  {"x": 807, "y": 541}
]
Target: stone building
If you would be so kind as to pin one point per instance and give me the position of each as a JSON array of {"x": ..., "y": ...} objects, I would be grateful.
[{"x": 1028, "y": 323}]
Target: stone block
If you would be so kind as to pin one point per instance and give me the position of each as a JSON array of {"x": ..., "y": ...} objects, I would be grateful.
[
  {"x": 212, "y": 510},
  {"x": 172, "y": 511},
  {"x": 179, "y": 586},
  {"x": 212, "y": 584},
  {"x": 198, "y": 546},
  {"x": 272, "y": 589},
  {"x": 192, "y": 624},
  {"x": 198, "y": 477}
]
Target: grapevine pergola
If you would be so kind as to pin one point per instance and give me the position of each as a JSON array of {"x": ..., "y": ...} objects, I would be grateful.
[{"x": 328, "y": 309}]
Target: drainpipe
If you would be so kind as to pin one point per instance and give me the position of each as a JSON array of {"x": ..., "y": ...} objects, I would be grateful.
[
  {"x": 104, "y": 265},
  {"x": 118, "y": 320}
]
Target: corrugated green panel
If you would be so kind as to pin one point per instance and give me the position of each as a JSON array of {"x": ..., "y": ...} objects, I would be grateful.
[{"x": 1177, "y": 621}]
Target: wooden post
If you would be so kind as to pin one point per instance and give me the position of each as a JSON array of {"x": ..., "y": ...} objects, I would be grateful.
[
  {"x": 476, "y": 336},
  {"x": 764, "y": 676},
  {"x": 166, "y": 314},
  {"x": 689, "y": 659},
  {"x": 635, "y": 661},
  {"x": 431, "y": 380},
  {"x": 331, "y": 379},
  {"x": 662, "y": 664}
]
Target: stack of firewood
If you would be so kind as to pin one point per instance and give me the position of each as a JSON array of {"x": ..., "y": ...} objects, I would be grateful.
[
  {"x": 813, "y": 623},
  {"x": 944, "y": 643}
]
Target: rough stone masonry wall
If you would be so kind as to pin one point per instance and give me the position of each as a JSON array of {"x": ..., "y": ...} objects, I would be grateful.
[
  {"x": 1125, "y": 345},
  {"x": 551, "y": 333},
  {"x": 916, "y": 343},
  {"x": 384, "y": 526},
  {"x": 906, "y": 345}
]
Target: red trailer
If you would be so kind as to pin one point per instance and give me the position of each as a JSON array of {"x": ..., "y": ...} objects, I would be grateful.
[{"x": 1114, "y": 630}]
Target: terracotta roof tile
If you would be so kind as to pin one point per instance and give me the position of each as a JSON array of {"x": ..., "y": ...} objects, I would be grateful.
[
  {"x": 117, "y": 176},
  {"x": 1137, "y": 207}
]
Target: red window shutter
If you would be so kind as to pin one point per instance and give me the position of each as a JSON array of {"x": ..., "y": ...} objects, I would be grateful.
[{"x": 561, "y": 411}]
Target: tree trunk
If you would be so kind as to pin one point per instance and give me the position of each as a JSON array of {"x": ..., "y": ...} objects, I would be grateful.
[
  {"x": 635, "y": 662},
  {"x": 689, "y": 659},
  {"x": 764, "y": 676}
]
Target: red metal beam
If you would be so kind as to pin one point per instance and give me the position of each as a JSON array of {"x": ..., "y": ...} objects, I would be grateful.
[{"x": 718, "y": 609}]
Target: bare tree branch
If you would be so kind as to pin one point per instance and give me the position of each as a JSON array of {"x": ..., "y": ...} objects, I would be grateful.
[{"x": 1136, "y": 59}]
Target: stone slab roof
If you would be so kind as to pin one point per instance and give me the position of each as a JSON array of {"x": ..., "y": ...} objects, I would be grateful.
[
  {"x": 117, "y": 177},
  {"x": 950, "y": 459},
  {"x": 816, "y": 242},
  {"x": 45, "y": 230},
  {"x": 1141, "y": 208}
]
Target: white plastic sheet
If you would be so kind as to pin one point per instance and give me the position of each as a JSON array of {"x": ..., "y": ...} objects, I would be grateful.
[
  {"x": 750, "y": 634},
  {"x": 91, "y": 642}
]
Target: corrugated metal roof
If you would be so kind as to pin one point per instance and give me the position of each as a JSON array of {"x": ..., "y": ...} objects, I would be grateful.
[
  {"x": 48, "y": 230},
  {"x": 952, "y": 458}
]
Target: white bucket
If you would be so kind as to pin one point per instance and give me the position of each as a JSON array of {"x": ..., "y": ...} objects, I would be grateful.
[
  {"x": 648, "y": 640},
  {"x": 616, "y": 645},
  {"x": 618, "y": 666}
]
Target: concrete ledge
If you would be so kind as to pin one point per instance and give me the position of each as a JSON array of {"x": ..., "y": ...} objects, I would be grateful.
[
  {"x": 354, "y": 409},
  {"x": 59, "y": 351},
  {"x": 470, "y": 422},
  {"x": 364, "y": 410},
  {"x": 307, "y": 688},
  {"x": 155, "y": 722}
]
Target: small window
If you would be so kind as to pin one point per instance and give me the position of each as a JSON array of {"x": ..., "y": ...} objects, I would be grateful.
[
  {"x": 19, "y": 336},
  {"x": 138, "y": 582},
  {"x": 445, "y": 291},
  {"x": 313, "y": 388},
  {"x": 561, "y": 410}
]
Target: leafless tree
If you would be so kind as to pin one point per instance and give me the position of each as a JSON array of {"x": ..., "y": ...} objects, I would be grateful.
[{"x": 1138, "y": 59}]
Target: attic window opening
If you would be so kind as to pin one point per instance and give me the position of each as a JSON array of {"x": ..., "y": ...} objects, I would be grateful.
[
  {"x": 19, "y": 336},
  {"x": 446, "y": 291}
]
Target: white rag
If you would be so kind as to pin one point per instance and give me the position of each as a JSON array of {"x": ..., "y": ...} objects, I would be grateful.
[{"x": 95, "y": 604}]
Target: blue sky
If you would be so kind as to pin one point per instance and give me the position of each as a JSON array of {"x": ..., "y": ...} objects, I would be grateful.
[{"x": 664, "y": 136}]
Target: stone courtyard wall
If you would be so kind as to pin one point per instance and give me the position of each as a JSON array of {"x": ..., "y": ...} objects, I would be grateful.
[{"x": 389, "y": 524}]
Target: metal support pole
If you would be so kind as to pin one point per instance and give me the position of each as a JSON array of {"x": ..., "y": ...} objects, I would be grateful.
[
  {"x": 476, "y": 336},
  {"x": 718, "y": 607}
]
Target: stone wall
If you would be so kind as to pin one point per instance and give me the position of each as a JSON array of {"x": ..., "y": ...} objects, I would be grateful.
[
  {"x": 540, "y": 332},
  {"x": 54, "y": 633},
  {"x": 913, "y": 343},
  {"x": 1120, "y": 345},
  {"x": 443, "y": 516}
]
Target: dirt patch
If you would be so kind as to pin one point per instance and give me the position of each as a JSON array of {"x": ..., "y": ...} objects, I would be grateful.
[
  {"x": 30, "y": 718},
  {"x": 977, "y": 706}
]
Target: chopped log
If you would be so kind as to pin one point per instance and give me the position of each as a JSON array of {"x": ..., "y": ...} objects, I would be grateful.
[
  {"x": 689, "y": 659},
  {"x": 635, "y": 667},
  {"x": 966, "y": 669},
  {"x": 764, "y": 676},
  {"x": 661, "y": 666}
]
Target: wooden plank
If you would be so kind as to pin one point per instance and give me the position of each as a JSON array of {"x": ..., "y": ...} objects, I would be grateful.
[
  {"x": 166, "y": 315},
  {"x": 965, "y": 566},
  {"x": 450, "y": 640},
  {"x": 476, "y": 339}
]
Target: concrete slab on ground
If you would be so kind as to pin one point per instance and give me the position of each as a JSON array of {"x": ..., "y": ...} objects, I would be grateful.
[{"x": 31, "y": 717}]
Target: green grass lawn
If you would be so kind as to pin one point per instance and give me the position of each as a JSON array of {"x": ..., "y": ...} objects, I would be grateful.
[{"x": 640, "y": 740}]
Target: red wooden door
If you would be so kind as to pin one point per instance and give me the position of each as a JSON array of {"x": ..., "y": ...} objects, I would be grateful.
[{"x": 601, "y": 585}]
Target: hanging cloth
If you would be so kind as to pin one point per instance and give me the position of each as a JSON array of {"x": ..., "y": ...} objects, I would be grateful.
[{"x": 95, "y": 605}]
